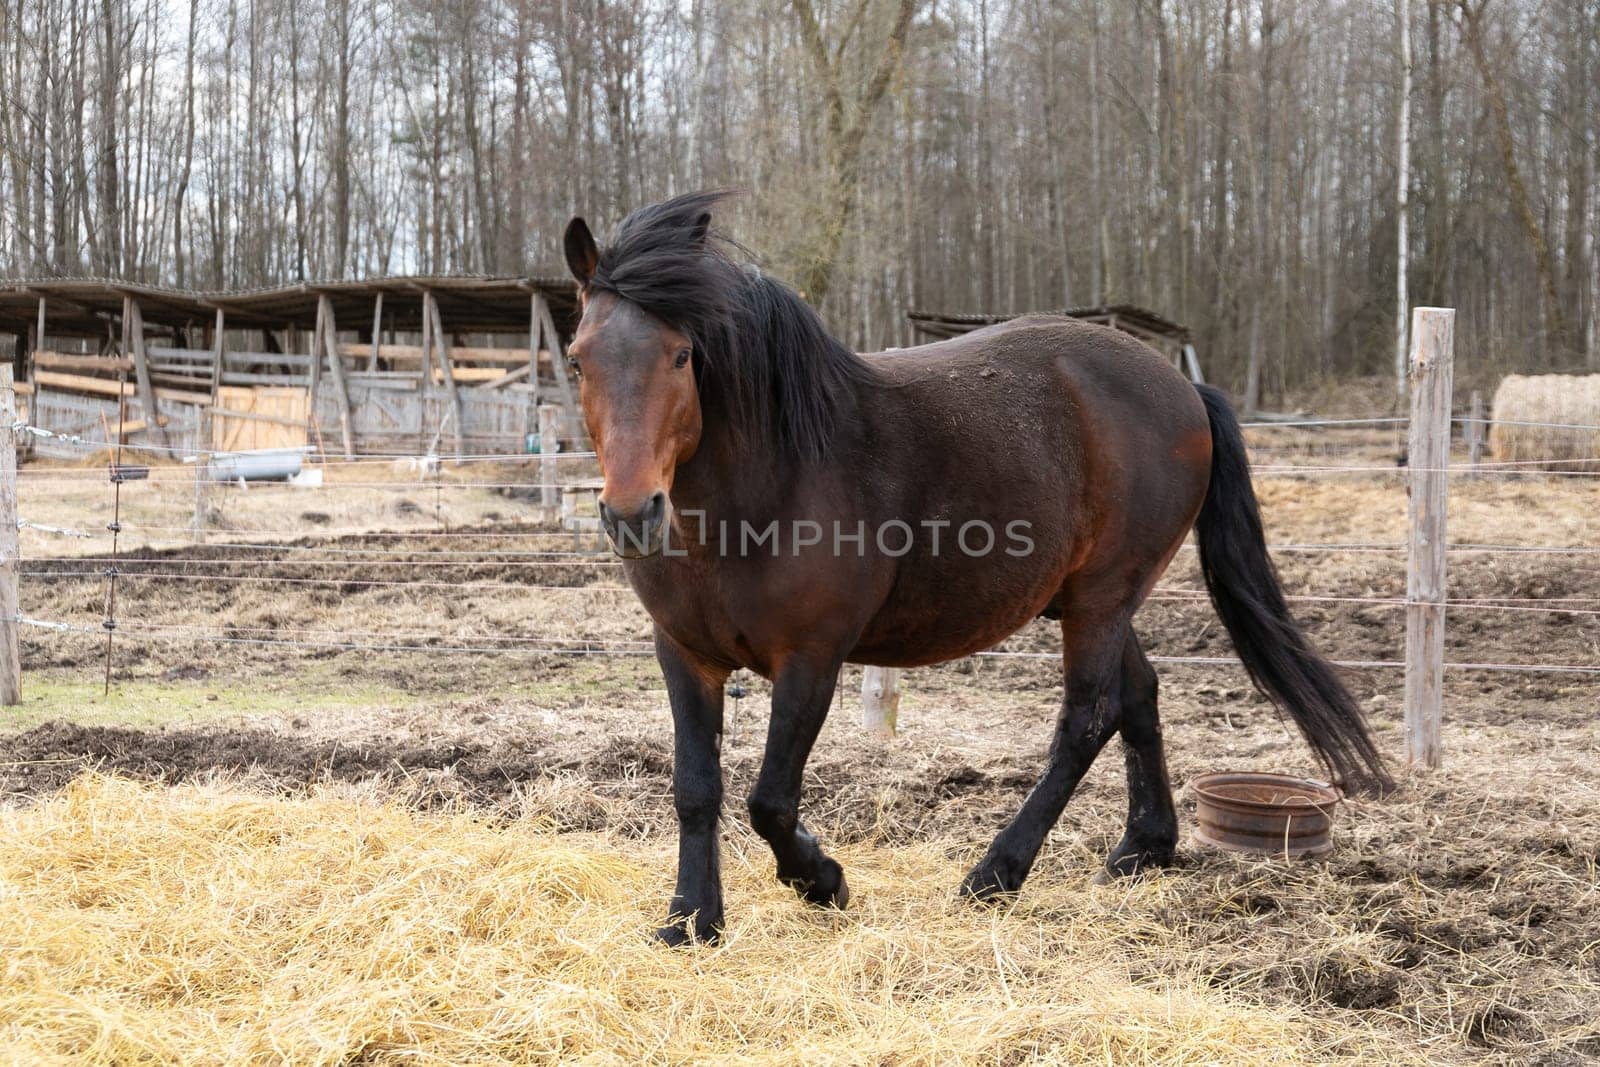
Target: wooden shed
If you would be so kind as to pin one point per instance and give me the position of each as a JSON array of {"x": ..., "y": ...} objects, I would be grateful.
[
  {"x": 399, "y": 364},
  {"x": 1171, "y": 339}
]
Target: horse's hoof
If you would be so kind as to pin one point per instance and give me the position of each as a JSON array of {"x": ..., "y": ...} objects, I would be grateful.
[
  {"x": 989, "y": 885},
  {"x": 679, "y": 932},
  {"x": 1127, "y": 860},
  {"x": 828, "y": 889}
]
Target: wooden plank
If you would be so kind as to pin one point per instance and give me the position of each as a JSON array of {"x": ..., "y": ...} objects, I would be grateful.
[
  {"x": 341, "y": 391},
  {"x": 82, "y": 383},
  {"x": 285, "y": 359},
  {"x": 167, "y": 352},
  {"x": 71, "y": 361},
  {"x": 1428, "y": 460},
  {"x": 10, "y": 643},
  {"x": 407, "y": 354},
  {"x": 256, "y": 416},
  {"x": 239, "y": 377},
  {"x": 508, "y": 377},
  {"x": 78, "y": 383},
  {"x": 480, "y": 374}
]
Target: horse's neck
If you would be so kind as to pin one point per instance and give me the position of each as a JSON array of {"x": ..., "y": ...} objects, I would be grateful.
[
  {"x": 734, "y": 480},
  {"x": 723, "y": 481}
]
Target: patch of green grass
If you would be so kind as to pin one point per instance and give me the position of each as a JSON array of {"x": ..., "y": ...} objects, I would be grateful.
[
  {"x": 150, "y": 702},
  {"x": 137, "y": 700}
]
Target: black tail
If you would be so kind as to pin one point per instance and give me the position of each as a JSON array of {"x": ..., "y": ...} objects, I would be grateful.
[{"x": 1244, "y": 587}]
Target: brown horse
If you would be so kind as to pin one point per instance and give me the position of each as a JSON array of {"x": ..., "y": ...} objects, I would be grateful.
[{"x": 787, "y": 506}]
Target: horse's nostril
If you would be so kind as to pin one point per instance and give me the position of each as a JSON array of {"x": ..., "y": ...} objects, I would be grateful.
[{"x": 654, "y": 508}]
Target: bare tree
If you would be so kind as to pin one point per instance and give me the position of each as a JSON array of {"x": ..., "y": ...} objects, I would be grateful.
[{"x": 848, "y": 113}]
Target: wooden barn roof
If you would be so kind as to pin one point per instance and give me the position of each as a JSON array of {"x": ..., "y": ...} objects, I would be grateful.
[
  {"x": 1142, "y": 322},
  {"x": 487, "y": 304}
]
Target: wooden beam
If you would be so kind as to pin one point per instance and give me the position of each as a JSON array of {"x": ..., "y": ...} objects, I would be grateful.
[
  {"x": 508, "y": 377},
  {"x": 316, "y": 373},
  {"x": 219, "y": 354},
  {"x": 63, "y": 302},
  {"x": 38, "y": 343},
  {"x": 534, "y": 348},
  {"x": 458, "y": 353},
  {"x": 558, "y": 357},
  {"x": 442, "y": 352},
  {"x": 423, "y": 384},
  {"x": 133, "y": 331},
  {"x": 341, "y": 391},
  {"x": 377, "y": 330},
  {"x": 82, "y": 383},
  {"x": 69, "y": 361}
]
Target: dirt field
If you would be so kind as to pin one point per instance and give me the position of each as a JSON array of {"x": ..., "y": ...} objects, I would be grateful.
[{"x": 1459, "y": 917}]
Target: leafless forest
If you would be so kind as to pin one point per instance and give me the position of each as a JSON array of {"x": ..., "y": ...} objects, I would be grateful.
[{"x": 1233, "y": 164}]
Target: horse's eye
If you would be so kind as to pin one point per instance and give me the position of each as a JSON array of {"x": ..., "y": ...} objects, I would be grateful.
[
  {"x": 577, "y": 371},
  {"x": 683, "y": 358}
]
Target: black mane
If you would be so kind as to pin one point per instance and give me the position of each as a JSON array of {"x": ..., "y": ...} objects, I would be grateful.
[{"x": 763, "y": 357}]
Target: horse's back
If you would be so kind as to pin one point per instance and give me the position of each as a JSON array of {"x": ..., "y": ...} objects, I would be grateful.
[{"x": 1083, "y": 433}]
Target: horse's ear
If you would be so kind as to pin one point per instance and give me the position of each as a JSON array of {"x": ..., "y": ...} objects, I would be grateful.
[
  {"x": 702, "y": 226},
  {"x": 582, "y": 254}
]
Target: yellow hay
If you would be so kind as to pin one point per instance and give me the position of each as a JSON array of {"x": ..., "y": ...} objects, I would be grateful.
[
  {"x": 1554, "y": 400},
  {"x": 210, "y": 925}
]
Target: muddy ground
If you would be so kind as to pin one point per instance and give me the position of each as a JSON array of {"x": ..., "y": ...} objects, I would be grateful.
[{"x": 1463, "y": 911}]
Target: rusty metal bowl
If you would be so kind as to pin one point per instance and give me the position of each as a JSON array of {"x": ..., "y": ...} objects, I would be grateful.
[{"x": 1264, "y": 814}]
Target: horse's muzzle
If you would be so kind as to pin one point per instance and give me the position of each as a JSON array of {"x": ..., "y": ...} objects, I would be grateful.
[{"x": 639, "y": 533}]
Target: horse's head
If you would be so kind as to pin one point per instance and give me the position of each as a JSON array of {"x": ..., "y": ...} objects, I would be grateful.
[{"x": 636, "y": 382}]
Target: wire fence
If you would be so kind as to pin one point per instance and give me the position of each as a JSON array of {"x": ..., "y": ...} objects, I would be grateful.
[{"x": 422, "y": 558}]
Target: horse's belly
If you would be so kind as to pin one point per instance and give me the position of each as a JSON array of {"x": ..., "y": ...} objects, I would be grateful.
[{"x": 944, "y": 613}]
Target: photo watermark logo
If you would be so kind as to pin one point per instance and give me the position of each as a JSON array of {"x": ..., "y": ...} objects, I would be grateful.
[{"x": 975, "y": 538}]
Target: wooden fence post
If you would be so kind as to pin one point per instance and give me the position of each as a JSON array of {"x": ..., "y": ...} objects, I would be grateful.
[
  {"x": 880, "y": 699},
  {"x": 549, "y": 445},
  {"x": 1428, "y": 457},
  {"x": 1476, "y": 431},
  {"x": 10, "y": 651}
]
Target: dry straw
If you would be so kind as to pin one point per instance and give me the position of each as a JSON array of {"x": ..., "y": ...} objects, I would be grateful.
[
  {"x": 207, "y": 924},
  {"x": 1555, "y": 400}
]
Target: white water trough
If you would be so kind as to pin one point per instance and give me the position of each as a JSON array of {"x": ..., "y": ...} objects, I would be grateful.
[{"x": 256, "y": 465}]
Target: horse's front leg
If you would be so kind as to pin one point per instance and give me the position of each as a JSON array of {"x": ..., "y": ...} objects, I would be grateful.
[
  {"x": 801, "y": 694},
  {"x": 695, "y": 690}
]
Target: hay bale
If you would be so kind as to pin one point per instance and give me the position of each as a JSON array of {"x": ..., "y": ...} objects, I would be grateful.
[{"x": 1572, "y": 399}]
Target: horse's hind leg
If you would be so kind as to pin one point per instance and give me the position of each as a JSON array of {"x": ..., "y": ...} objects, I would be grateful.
[
  {"x": 1091, "y": 711},
  {"x": 800, "y": 697},
  {"x": 1151, "y": 837}
]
